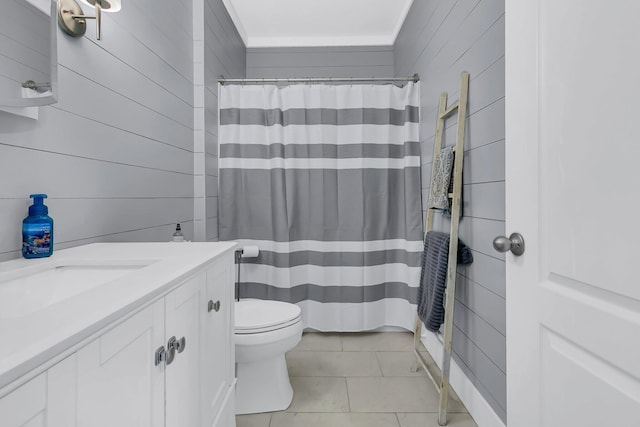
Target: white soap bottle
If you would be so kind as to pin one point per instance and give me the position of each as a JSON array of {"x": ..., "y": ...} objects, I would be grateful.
[{"x": 178, "y": 236}]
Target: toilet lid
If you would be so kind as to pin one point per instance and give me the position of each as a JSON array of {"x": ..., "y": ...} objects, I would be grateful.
[{"x": 260, "y": 314}]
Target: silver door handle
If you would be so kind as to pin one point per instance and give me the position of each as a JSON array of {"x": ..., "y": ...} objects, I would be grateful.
[
  {"x": 167, "y": 356},
  {"x": 513, "y": 243},
  {"x": 180, "y": 344},
  {"x": 176, "y": 344},
  {"x": 170, "y": 354},
  {"x": 160, "y": 356},
  {"x": 213, "y": 306}
]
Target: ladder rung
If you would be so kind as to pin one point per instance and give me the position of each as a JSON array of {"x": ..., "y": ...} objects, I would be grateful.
[
  {"x": 450, "y": 110},
  {"x": 450, "y": 195}
]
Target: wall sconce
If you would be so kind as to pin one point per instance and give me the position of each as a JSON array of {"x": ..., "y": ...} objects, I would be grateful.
[{"x": 72, "y": 19}]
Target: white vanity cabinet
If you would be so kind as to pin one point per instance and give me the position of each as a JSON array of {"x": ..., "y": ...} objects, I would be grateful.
[{"x": 170, "y": 363}]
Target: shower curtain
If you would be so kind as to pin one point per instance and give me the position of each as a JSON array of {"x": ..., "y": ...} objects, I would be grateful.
[{"x": 325, "y": 180}]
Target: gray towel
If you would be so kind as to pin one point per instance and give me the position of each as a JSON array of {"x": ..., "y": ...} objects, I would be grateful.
[
  {"x": 440, "y": 179},
  {"x": 433, "y": 278}
]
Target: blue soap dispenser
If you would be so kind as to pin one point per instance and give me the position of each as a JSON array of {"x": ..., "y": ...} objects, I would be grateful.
[{"x": 37, "y": 230}]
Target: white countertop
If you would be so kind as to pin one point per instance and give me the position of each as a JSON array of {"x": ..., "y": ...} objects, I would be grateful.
[{"x": 32, "y": 339}]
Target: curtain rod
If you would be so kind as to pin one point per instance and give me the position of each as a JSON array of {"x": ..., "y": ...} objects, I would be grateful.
[{"x": 415, "y": 78}]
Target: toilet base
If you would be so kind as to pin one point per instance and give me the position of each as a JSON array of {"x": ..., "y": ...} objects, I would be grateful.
[{"x": 263, "y": 386}]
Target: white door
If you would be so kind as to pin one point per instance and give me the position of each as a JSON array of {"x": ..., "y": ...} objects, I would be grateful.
[{"x": 573, "y": 192}]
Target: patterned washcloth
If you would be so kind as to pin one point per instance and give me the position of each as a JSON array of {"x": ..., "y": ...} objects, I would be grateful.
[
  {"x": 440, "y": 179},
  {"x": 433, "y": 278}
]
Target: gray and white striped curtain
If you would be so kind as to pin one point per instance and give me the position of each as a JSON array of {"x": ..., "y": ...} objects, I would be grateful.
[{"x": 325, "y": 180}]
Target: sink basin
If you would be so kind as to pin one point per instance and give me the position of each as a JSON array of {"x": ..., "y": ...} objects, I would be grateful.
[{"x": 21, "y": 296}]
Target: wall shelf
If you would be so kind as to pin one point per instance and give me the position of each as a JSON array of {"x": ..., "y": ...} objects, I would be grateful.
[{"x": 28, "y": 112}]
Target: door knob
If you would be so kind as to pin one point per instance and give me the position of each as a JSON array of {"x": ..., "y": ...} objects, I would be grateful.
[
  {"x": 181, "y": 344},
  {"x": 513, "y": 243},
  {"x": 174, "y": 345},
  {"x": 160, "y": 356},
  {"x": 213, "y": 306},
  {"x": 170, "y": 353}
]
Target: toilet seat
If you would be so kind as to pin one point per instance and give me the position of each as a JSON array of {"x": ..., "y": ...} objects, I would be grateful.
[{"x": 259, "y": 316}]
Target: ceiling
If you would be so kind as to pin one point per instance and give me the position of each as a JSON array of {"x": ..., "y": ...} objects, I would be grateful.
[{"x": 298, "y": 23}]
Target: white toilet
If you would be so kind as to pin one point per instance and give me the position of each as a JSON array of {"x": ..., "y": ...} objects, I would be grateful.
[{"x": 264, "y": 332}]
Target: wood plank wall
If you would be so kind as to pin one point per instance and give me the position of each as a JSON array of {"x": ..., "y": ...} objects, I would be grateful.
[
  {"x": 222, "y": 53},
  {"x": 115, "y": 154},
  {"x": 362, "y": 61},
  {"x": 439, "y": 40}
]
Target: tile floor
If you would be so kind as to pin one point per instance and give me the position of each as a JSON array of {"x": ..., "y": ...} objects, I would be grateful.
[{"x": 358, "y": 380}]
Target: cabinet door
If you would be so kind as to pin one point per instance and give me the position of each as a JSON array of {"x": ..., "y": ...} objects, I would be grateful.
[
  {"x": 62, "y": 393},
  {"x": 25, "y": 406},
  {"x": 46, "y": 400},
  {"x": 182, "y": 375},
  {"x": 218, "y": 357},
  {"x": 118, "y": 383}
]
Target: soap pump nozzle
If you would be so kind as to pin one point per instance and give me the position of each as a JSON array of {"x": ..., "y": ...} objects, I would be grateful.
[{"x": 38, "y": 207}]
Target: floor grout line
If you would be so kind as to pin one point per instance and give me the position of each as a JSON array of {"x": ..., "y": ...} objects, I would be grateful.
[
  {"x": 318, "y": 417},
  {"x": 346, "y": 385}
]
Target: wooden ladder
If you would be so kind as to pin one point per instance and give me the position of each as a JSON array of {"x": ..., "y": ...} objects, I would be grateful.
[{"x": 445, "y": 112}]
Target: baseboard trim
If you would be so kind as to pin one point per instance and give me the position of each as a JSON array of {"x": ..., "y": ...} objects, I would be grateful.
[{"x": 477, "y": 406}]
